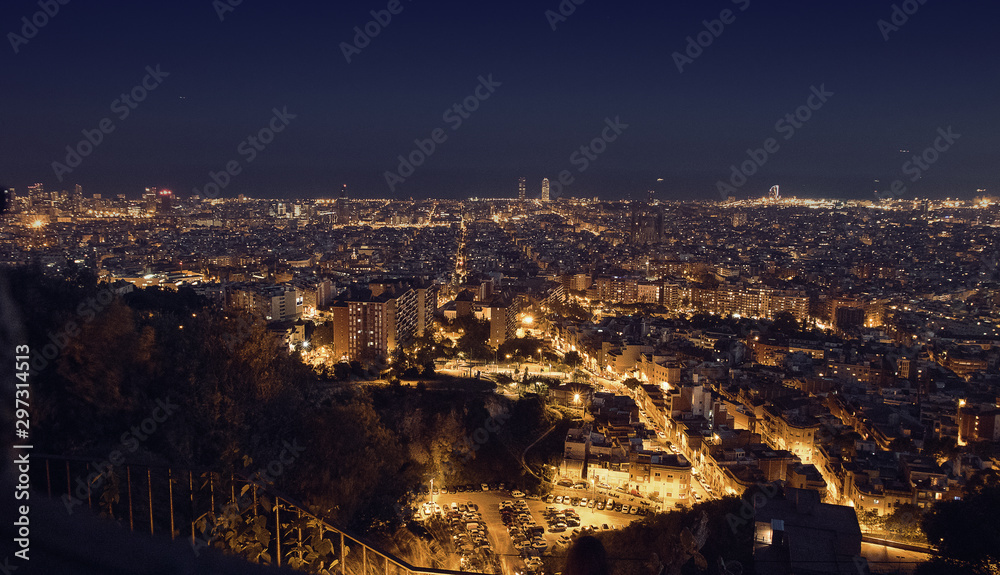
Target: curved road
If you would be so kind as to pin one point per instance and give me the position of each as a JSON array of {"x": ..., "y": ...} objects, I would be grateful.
[{"x": 525, "y": 452}]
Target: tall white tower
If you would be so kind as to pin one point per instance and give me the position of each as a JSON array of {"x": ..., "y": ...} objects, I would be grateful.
[
  {"x": 545, "y": 190},
  {"x": 775, "y": 194}
]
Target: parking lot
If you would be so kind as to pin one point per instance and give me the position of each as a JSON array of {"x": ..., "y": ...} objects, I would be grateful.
[{"x": 496, "y": 532}]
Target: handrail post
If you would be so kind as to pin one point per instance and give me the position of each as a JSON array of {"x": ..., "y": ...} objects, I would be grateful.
[
  {"x": 277, "y": 528},
  {"x": 343, "y": 556},
  {"x": 149, "y": 491},
  {"x": 170, "y": 497},
  {"x": 128, "y": 481}
]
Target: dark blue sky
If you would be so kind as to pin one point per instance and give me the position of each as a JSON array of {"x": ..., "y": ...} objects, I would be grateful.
[{"x": 607, "y": 60}]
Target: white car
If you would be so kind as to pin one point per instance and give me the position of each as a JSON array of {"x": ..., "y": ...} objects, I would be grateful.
[
  {"x": 516, "y": 494},
  {"x": 485, "y": 487}
]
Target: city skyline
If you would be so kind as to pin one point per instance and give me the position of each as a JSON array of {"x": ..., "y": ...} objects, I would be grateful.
[{"x": 694, "y": 110}]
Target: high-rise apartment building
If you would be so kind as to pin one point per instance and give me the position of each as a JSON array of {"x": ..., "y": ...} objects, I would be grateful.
[
  {"x": 273, "y": 303},
  {"x": 426, "y": 306},
  {"x": 373, "y": 323},
  {"x": 522, "y": 188},
  {"x": 503, "y": 320},
  {"x": 545, "y": 190}
]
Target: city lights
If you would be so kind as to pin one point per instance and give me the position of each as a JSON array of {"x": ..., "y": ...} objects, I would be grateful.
[{"x": 440, "y": 327}]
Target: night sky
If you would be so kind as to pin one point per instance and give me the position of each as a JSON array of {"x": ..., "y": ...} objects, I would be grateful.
[{"x": 607, "y": 60}]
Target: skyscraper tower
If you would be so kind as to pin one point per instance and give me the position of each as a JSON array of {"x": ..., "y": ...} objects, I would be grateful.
[
  {"x": 166, "y": 199},
  {"x": 521, "y": 188},
  {"x": 343, "y": 208},
  {"x": 545, "y": 189},
  {"x": 35, "y": 194}
]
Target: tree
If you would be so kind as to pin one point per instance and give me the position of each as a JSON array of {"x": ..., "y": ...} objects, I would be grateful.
[
  {"x": 905, "y": 521},
  {"x": 901, "y": 444},
  {"x": 632, "y": 383},
  {"x": 682, "y": 541},
  {"x": 966, "y": 532},
  {"x": 473, "y": 342},
  {"x": 520, "y": 348},
  {"x": 572, "y": 359},
  {"x": 785, "y": 324}
]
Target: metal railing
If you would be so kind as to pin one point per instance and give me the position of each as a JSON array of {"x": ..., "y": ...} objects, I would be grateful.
[{"x": 173, "y": 500}]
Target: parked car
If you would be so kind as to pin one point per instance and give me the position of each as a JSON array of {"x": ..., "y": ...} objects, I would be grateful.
[
  {"x": 557, "y": 528},
  {"x": 485, "y": 487},
  {"x": 592, "y": 503},
  {"x": 600, "y": 506},
  {"x": 517, "y": 494},
  {"x": 559, "y": 499},
  {"x": 583, "y": 502},
  {"x": 550, "y": 499}
]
